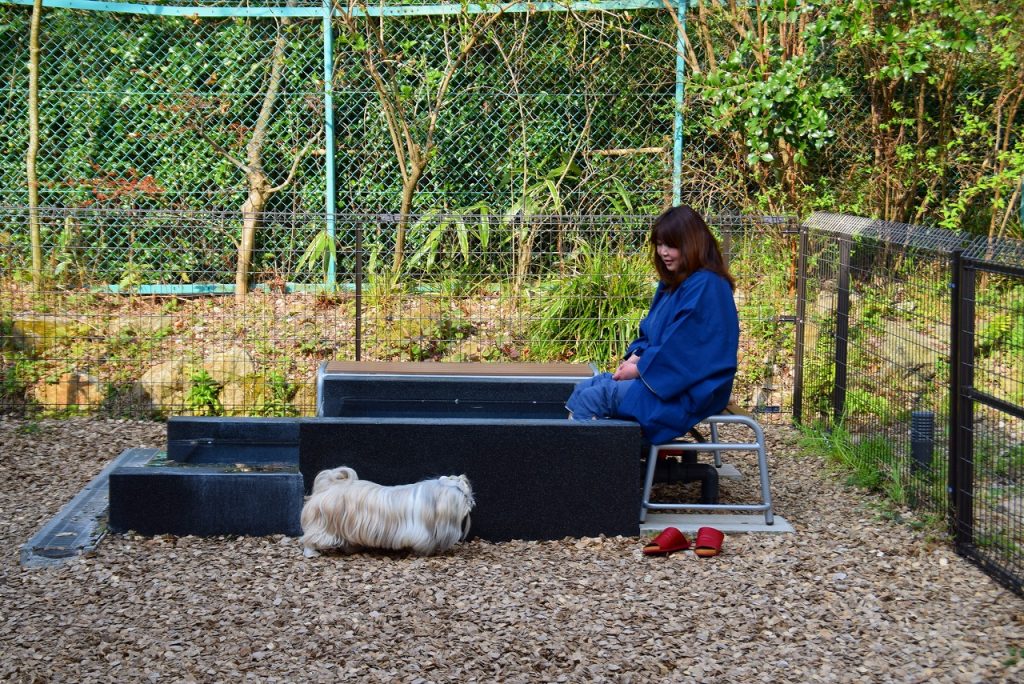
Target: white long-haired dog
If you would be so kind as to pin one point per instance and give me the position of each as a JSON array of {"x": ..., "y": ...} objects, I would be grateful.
[{"x": 346, "y": 513}]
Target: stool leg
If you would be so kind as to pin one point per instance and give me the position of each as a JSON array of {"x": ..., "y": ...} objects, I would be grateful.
[
  {"x": 762, "y": 466},
  {"x": 715, "y": 440},
  {"x": 652, "y": 463}
]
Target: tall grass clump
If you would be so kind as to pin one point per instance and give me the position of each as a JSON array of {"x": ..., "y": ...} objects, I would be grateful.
[{"x": 593, "y": 314}]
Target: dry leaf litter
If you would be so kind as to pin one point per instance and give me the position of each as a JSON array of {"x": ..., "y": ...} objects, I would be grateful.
[{"x": 851, "y": 597}]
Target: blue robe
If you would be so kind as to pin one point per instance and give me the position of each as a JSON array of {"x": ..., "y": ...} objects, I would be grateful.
[{"x": 687, "y": 346}]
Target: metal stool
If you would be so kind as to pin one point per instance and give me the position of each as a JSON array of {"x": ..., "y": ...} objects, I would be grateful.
[{"x": 716, "y": 446}]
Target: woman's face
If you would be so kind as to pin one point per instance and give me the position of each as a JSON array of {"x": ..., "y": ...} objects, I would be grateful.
[{"x": 668, "y": 255}]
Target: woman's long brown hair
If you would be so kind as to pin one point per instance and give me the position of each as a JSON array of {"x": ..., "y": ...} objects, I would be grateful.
[{"x": 683, "y": 228}]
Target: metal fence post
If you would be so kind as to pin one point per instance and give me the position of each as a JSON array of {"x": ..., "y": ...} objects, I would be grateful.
[
  {"x": 963, "y": 494},
  {"x": 330, "y": 190},
  {"x": 955, "y": 289},
  {"x": 359, "y": 289},
  {"x": 677, "y": 133},
  {"x": 842, "y": 332},
  {"x": 801, "y": 314}
]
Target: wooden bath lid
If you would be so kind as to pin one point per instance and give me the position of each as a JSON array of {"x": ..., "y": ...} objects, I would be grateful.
[{"x": 439, "y": 368}]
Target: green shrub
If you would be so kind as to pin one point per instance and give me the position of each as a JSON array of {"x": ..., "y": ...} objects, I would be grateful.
[
  {"x": 203, "y": 397},
  {"x": 17, "y": 374},
  {"x": 279, "y": 395},
  {"x": 594, "y": 314}
]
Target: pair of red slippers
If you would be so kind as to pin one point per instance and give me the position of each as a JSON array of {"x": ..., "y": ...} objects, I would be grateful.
[{"x": 707, "y": 543}]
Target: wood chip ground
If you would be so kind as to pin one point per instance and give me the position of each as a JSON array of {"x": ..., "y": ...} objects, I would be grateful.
[{"x": 853, "y": 596}]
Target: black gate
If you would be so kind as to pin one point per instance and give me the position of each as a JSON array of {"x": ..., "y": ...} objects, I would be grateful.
[{"x": 987, "y": 444}]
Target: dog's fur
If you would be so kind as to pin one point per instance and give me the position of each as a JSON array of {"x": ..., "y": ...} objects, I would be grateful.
[{"x": 347, "y": 514}]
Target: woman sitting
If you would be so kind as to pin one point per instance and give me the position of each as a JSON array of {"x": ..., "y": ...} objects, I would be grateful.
[{"x": 680, "y": 368}]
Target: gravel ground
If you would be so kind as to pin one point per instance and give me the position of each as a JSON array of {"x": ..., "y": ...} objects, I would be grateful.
[{"x": 851, "y": 597}]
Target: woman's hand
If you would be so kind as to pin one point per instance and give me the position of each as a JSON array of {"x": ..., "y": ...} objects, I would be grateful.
[{"x": 627, "y": 370}]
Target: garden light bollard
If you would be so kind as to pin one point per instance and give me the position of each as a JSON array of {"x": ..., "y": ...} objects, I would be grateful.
[{"x": 922, "y": 440}]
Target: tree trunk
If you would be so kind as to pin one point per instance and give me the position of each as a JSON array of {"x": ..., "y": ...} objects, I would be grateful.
[
  {"x": 251, "y": 210},
  {"x": 525, "y": 253},
  {"x": 33, "y": 147},
  {"x": 408, "y": 192},
  {"x": 259, "y": 186}
]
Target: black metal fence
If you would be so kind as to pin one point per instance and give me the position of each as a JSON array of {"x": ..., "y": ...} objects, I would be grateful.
[
  {"x": 911, "y": 355},
  {"x": 98, "y": 336},
  {"x": 988, "y": 410}
]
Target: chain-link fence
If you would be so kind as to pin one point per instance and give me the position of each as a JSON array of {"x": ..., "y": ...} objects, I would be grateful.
[
  {"x": 566, "y": 108},
  {"x": 547, "y": 112},
  {"x": 913, "y": 359},
  {"x": 385, "y": 163}
]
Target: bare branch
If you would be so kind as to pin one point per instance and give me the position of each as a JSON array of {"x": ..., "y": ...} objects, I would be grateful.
[
  {"x": 254, "y": 149},
  {"x": 485, "y": 21},
  {"x": 514, "y": 78},
  {"x": 295, "y": 165},
  {"x": 235, "y": 161},
  {"x": 625, "y": 151}
]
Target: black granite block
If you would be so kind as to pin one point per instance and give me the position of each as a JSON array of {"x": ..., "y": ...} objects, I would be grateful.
[
  {"x": 233, "y": 440},
  {"x": 533, "y": 479},
  {"x": 204, "y": 501},
  {"x": 355, "y": 396}
]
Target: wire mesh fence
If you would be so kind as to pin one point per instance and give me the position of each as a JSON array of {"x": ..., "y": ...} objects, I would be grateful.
[
  {"x": 560, "y": 107},
  {"x": 551, "y": 112},
  {"x": 877, "y": 347},
  {"x": 542, "y": 288},
  {"x": 147, "y": 112},
  {"x": 989, "y": 408},
  {"x": 913, "y": 361}
]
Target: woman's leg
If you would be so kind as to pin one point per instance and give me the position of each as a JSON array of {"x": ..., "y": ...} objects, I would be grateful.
[{"x": 596, "y": 397}]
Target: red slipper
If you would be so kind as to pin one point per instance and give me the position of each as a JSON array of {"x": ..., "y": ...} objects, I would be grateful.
[
  {"x": 709, "y": 542},
  {"x": 668, "y": 541}
]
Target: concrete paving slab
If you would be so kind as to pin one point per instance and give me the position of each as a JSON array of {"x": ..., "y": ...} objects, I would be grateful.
[
  {"x": 729, "y": 472},
  {"x": 689, "y": 523}
]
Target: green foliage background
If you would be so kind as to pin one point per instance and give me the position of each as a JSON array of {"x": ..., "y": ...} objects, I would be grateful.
[{"x": 908, "y": 110}]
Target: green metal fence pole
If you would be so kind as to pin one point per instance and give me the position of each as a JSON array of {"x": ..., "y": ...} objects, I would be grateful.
[
  {"x": 330, "y": 199},
  {"x": 430, "y": 10},
  {"x": 677, "y": 132}
]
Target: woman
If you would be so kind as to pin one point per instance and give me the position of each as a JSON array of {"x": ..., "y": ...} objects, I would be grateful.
[{"x": 681, "y": 367}]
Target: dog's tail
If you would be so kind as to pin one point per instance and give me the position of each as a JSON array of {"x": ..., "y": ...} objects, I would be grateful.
[{"x": 326, "y": 478}]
